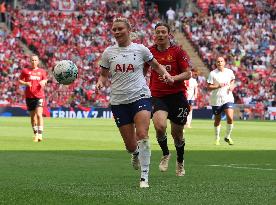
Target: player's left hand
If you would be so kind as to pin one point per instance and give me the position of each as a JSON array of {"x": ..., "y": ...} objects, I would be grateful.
[
  {"x": 42, "y": 83},
  {"x": 168, "y": 78}
]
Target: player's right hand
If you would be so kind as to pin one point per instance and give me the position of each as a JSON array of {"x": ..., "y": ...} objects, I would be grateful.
[
  {"x": 168, "y": 78},
  {"x": 29, "y": 84},
  {"x": 99, "y": 85}
]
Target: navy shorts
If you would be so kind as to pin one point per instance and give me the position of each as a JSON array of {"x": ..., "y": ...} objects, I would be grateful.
[
  {"x": 124, "y": 113},
  {"x": 33, "y": 103},
  {"x": 176, "y": 105},
  {"x": 217, "y": 110}
]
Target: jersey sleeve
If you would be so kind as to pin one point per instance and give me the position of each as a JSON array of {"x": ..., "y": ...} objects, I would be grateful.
[
  {"x": 232, "y": 76},
  {"x": 44, "y": 75},
  {"x": 210, "y": 78},
  {"x": 147, "y": 55},
  {"x": 22, "y": 75},
  {"x": 183, "y": 59},
  {"x": 104, "y": 61}
]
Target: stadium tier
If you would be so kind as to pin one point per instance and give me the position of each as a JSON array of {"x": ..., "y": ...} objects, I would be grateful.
[{"x": 240, "y": 30}]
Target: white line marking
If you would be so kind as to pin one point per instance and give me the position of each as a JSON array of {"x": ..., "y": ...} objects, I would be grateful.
[{"x": 238, "y": 167}]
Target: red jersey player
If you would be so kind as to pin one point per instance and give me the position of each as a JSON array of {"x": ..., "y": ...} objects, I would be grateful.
[
  {"x": 35, "y": 79},
  {"x": 168, "y": 100}
]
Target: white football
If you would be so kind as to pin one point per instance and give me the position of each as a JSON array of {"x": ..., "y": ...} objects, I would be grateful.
[{"x": 65, "y": 72}]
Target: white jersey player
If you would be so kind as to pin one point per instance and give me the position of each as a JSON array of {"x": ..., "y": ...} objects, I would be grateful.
[
  {"x": 221, "y": 83},
  {"x": 192, "y": 91},
  {"x": 130, "y": 95}
]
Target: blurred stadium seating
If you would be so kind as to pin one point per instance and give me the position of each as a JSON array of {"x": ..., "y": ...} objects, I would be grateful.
[{"x": 242, "y": 31}]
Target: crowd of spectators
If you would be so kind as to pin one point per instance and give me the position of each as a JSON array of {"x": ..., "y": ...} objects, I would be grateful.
[
  {"x": 12, "y": 60},
  {"x": 244, "y": 33},
  {"x": 80, "y": 36},
  {"x": 241, "y": 31}
]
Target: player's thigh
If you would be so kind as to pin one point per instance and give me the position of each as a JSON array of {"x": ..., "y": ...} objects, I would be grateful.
[
  {"x": 142, "y": 122},
  {"x": 160, "y": 113},
  {"x": 178, "y": 108},
  {"x": 39, "y": 111},
  {"x": 229, "y": 112},
  {"x": 159, "y": 119}
]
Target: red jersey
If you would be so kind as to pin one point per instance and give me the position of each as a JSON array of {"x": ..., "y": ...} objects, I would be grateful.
[
  {"x": 176, "y": 61},
  {"x": 33, "y": 76}
]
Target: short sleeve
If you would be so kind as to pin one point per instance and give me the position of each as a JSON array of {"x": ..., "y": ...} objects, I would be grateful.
[
  {"x": 232, "y": 75},
  {"x": 104, "y": 61},
  {"x": 210, "y": 78},
  {"x": 147, "y": 55},
  {"x": 44, "y": 76},
  {"x": 22, "y": 75},
  {"x": 183, "y": 59}
]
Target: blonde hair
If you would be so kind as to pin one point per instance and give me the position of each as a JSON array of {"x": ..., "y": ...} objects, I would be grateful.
[{"x": 124, "y": 20}]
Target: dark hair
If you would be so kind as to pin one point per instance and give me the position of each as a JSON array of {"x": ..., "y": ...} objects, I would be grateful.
[{"x": 163, "y": 24}]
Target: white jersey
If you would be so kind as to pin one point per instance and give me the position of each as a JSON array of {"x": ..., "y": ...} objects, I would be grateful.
[
  {"x": 171, "y": 14},
  {"x": 126, "y": 65},
  {"x": 191, "y": 86},
  {"x": 221, "y": 95}
]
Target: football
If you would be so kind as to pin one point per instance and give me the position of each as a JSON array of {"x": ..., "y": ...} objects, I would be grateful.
[{"x": 65, "y": 72}]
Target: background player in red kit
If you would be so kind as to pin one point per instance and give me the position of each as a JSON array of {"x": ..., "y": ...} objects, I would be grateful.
[
  {"x": 35, "y": 79},
  {"x": 168, "y": 100}
]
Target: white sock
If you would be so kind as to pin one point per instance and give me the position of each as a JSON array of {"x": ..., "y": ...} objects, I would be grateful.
[
  {"x": 35, "y": 129},
  {"x": 40, "y": 129},
  {"x": 229, "y": 128},
  {"x": 144, "y": 158},
  {"x": 217, "y": 132},
  {"x": 189, "y": 118}
]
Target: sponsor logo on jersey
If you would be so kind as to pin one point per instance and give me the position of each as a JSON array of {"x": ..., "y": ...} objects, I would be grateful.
[
  {"x": 32, "y": 77},
  {"x": 124, "y": 68}
]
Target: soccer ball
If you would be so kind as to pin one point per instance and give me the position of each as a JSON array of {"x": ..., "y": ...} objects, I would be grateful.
[{"x": 65, "y": 72}]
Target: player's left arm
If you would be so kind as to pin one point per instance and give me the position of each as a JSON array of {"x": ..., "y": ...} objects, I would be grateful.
[
  {"x": 161, "y": 70},
  {"x": 184, "y": 63},
  {"x": 196, "y": 90},
  {"x": 232, "y": 85},
  {"x": 44, "y": 80}
]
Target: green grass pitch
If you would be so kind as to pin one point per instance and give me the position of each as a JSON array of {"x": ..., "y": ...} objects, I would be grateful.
[{"x": 83, "y": 161}]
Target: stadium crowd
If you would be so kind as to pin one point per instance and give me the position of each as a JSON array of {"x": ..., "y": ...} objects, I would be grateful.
[
  {"x": 245, "y": 34},
  {"x": 80, "y": 36},
  {"x": 241, "y": 30}
]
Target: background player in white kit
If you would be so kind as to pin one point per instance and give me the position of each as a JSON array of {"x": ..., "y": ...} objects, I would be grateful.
[
  {"x": 221, "y": 83},
  {"x": 192, "y": 91},
  {"x": 130, "y": 95}
]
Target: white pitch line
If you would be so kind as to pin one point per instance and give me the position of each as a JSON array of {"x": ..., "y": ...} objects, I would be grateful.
[
  {"x": 250, "y": 164},
  {"x": 238, "y": 167}
]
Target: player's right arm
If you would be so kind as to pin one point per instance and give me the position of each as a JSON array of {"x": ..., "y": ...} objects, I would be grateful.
[
  {"x": 25, "y": 83},
  {"x": 212, "y": 85},
  {"x": 22, "y": 80},
  {"x": 102, "y": 79},
  {"x": 104, "y": 73}
]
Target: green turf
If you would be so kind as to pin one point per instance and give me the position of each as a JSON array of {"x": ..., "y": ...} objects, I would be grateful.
[{"x": 84, "y": 162}]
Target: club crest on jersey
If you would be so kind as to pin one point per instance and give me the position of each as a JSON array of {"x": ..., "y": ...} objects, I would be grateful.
[
  {"x": 124, "y": 68},
  {"x": 169, "y": 58}
]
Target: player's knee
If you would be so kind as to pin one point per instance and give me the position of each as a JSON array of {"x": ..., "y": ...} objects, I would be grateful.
[
  {"x": 39, "y": 115},
  {"x": 230, "y": 120},
  {"x": 142, "y": 134},
  {"x": 160, "y": 129}
]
